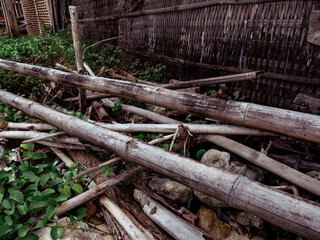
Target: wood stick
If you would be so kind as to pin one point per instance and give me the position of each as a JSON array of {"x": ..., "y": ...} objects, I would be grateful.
[
  {"x": 60, "y": 66},
  {"x": 44, "y": 137},
  {"x": 104, "y": 40},
  {"x": 96, "y": 191},
  {"x": 151, "y": 115},
  {"x": 29, "y": 126},
  {"x": 290, "y": 123},
  {"x": 237, "y": 191},
  {"x": 68, "y": 161},
  {"x": 90, "y": 170},
  {"x": 89, "y": 97},
  {"x": 171, "y": 223},
  {"x": 102, "y": 113},
  {"x": 211, "y": 81},
  {"x": 78, "y": 52}
]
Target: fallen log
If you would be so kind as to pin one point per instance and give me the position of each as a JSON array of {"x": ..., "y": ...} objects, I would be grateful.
[
  {"x": 290, "y": 123},
  {"x": 290, "y": 212}
]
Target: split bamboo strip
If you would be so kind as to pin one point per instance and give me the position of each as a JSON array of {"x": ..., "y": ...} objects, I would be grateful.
[
  {"x": 151, "y": 115},
  {"x": 292, "y": 213},
  {"x": 211, "y": 81},
  {"x": 44, "y": 137},
  {"x": 294, "y": 124}
]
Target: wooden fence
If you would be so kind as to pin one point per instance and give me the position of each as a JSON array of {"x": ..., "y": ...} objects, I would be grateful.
[{"x": 198, "y": 39}]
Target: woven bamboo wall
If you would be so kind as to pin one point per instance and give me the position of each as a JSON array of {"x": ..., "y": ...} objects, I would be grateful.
[
  {"x": 208, "y": 38},
  {"x": 36, "y": 14}
]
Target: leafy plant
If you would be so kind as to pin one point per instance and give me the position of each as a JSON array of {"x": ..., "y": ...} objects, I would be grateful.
[
  {"x": 153, "y": 73},
  {"x": 30, "y": 196}
]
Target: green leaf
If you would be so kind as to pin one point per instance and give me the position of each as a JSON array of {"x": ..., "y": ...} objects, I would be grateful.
[
  {"x": 106, "y": 170},
  {"x": 27, "y": 154},
  {"x": 39, "y": 156},
  {"x": 4, "y": 229},
  {"x": 40, "y": 224},
  {"x": 47, "y": 193},
  {"x": 53, "y": 130},
  {"x": 28, "y": 175},
  {"x": 7, "y": 203},
  {"x": 61, "y": 198},
  {"x": 22, "y": 232},
  {"x": 56, "y": 232},
  {"x": 55, "y": 182},
  {"x": 72, "y": 219},
  {"x": 200, "y": 153},
  {"x": 44, "y": 179},
  {"x": 31, "y": 220},
  {"x": 77, "y": 188},
  {"x": 1, "y": 194},
  {"x": 22, "y": 209},
  {"x": 38, "y": 206},
  {"x": 50, "y": 211},
  {"x": 27, "y": 146},
  {"x": 66, "y": 190},
  {"x": 81, "y": 213},
  {"x": 30, "y": 236},
  {"x": 16, "y": 196},
  {"x": 140, "y": 136},
  {"x": 8, "y": 220}
]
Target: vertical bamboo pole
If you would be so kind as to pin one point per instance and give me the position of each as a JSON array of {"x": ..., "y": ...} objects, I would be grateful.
[
  {"x": 78, "y": 52},
  {"x": 10, "y": 18}
]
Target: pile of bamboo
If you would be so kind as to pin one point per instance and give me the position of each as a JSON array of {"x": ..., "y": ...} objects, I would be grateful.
[{"x": 290, "y": 212}]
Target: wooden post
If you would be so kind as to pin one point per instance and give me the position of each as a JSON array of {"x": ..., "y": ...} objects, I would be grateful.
[
  {"x": 78, "y": 52},
  {"x": 10, "y": 18}
]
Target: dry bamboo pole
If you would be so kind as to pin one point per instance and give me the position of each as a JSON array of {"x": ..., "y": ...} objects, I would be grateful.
[
  {"x": 294, "y": 124},
  {"x": 261, "y": 160},
  {"x": 151, "y": 115},
  {"x": 78, "y": 52},
  {"x": 44, "y": 137},
  {"x": 193, "y": 128},
  {"x": 28, "y": 126},
  {"x": 133, "y": 231},
  {"x": 171, "y": 223},
  {"x": 292, "y": 213},
  {"x": 211, "y": 81}
]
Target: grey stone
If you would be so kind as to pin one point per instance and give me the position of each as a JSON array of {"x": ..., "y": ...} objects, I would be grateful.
[
  {"x": 247, "y": 219},
  {"x": 170, "y": 189}
]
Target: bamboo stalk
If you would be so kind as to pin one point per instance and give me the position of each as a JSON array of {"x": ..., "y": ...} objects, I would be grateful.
[
  {"x": 133, "y": 231},
  {"x": 29, "y": 126},
  {"x": 171, "y": 223},
  {"x": 294, "y": 124},
  {"x": 211, "y": 81},
  {"x": 151, "y": 115},
  {"x": 78, "y": 52},
  {"x": 89, "y": 97},
  {"x": 292, "y": 213},
  {"x": 193, "y": 128}
]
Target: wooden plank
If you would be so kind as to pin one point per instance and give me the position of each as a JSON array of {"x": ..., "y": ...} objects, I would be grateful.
[
  {"x": 10, "y": 18},
  {"x": 314, "y": 28}
]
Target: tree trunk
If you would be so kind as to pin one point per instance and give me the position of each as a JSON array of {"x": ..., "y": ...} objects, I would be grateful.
[{"x": 290, "y": 212}]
